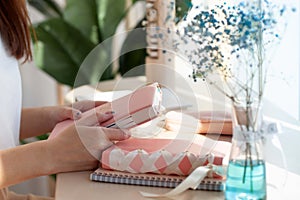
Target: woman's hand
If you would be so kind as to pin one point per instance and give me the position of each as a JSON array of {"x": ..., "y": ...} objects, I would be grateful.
[
  {"x": 79, "y": 146},
  {"x": 38, "y": 121},
  {"x": 72, "y": 111}
]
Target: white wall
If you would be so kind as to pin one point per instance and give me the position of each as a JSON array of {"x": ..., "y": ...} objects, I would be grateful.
[
  {"x": 283, "y": 87},
  {"x": 39, "y": 89}
]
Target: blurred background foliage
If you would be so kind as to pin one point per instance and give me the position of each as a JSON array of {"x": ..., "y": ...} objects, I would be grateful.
[{"x": 68, "y": 34}]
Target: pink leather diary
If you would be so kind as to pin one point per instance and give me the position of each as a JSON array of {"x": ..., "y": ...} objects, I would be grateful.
[
  {"x": 163, "y": 156},
  {"x": 131, "y": 110},
  {"x": 216, "y": 122}
]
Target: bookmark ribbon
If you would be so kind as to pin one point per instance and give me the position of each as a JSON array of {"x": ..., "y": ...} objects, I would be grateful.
[{"x": 192, "y": 181}]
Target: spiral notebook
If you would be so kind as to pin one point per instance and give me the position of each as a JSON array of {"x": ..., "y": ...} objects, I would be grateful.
[{"x": 155, "y": 180}]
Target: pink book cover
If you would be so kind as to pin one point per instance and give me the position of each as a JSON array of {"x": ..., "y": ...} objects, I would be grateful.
[
  {"x": 216, "y": 122},
  {"x": 163, "y": 156},
  {"x": 140, "y": 106}
]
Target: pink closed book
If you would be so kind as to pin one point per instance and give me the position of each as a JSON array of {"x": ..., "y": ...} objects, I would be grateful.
[
  {"x": 163, "y": 156},
  {"x": 216, "y": 122},
  {"x": 136, "y": 108}
]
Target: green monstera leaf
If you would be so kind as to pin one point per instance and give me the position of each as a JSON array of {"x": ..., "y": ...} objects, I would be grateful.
[
  {"x": 110, "y": 13},
  {"x": 83, "y": 16},
  {"x": 48, "y": 7},
  {"x": 60, "y": 50},
  {"x": 65, "y": 41}
]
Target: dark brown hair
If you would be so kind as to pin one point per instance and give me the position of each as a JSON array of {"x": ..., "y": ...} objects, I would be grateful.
[{"x": 14, "y": 28}]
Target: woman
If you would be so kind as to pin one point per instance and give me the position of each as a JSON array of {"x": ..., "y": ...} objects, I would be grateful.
[{"x": 67, "y": 151}]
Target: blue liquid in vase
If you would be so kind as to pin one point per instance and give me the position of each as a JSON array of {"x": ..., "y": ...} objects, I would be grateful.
[{"x": 246, "y": 183}]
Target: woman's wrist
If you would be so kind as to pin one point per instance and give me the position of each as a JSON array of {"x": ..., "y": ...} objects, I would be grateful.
[
  {"x": 36, "y": 121},
  {"x": 54, "y": 157},
  {"x": 49, "y": 158},
  {"x": 52, "y": 116}
]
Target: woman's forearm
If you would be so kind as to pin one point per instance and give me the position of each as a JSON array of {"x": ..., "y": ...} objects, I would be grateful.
[
  {"x": 35, "y": 121},
  {"x": 24, "y": 162}
]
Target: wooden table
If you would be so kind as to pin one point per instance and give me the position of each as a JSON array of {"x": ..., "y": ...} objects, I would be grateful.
[
  {"x": 77, "y": 186},
  {"x": 282, "y": 183}
]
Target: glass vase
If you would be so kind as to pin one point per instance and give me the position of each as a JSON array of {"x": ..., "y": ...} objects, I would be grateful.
[{"x": 246, "y": 173}]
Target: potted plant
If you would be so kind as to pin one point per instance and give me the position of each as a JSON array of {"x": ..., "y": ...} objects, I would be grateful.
[{"x": 69, "y": 34}]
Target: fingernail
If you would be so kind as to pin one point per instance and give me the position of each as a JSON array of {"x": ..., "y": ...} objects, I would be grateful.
[
  {"x": 110, "y": 112},
  {"x": 127, "y": 133},
  {"x": 78, "y": 115}
]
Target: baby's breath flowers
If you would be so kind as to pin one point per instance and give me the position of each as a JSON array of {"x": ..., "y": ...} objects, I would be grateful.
[{"x": 234, "y": 39}]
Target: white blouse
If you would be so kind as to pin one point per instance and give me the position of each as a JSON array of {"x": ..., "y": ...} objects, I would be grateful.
[{"x": 10, "y": 99}]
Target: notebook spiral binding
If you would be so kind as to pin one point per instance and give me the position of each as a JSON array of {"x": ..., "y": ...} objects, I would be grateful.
[{"x": 153, "y": 180}]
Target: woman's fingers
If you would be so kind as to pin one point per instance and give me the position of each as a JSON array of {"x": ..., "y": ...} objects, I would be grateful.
[
  {"x": 94, "y": 118},
  {"x": 96, "y": 139},
  {"x": 75, "y": 112},
  {"x": 116, "y": 134},
  {"x": 86, "y": 105},
  {"x": 69, "y": 113},
  {"x": 101, "y": 133}
]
